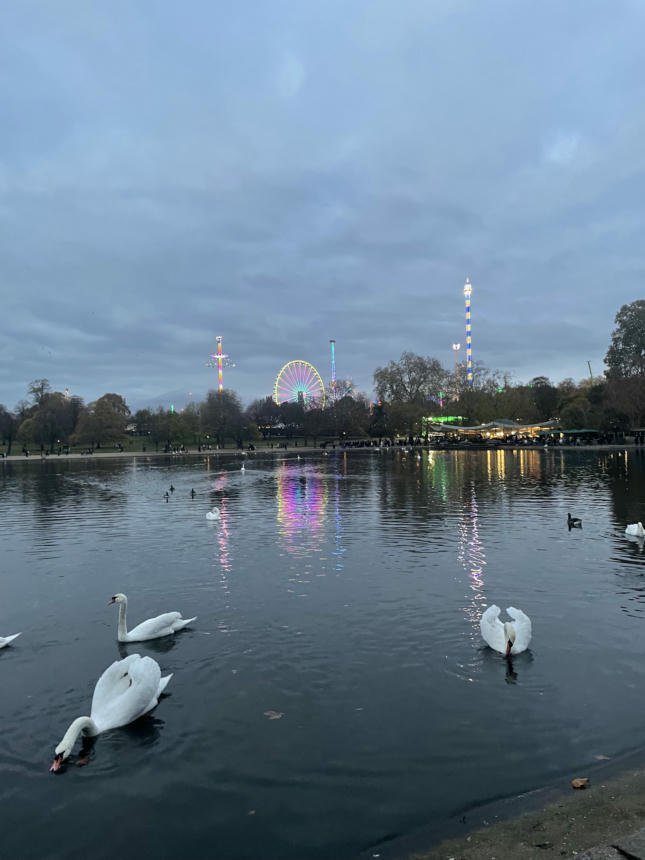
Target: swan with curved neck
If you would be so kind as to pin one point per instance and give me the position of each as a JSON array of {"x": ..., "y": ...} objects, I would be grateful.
[
  {"x": 214, "y": 514},
  {"x": 153, "y": 628},
  {"x": 127, "y": 690},
  {"x": 511, "y": 637}
]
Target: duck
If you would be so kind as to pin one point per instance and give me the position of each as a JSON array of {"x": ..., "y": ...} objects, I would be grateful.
[
  {"x": 635, "y": 530},
  {"x": 574, "y": 522},
  {"x": 171, "y": 488},
  {"x": 213, "y": 514},
  {"x": 127, "y": 690},
  {"x": 193, "y": 494},
  {"x": 509, "y": 638},
  {"x": 153, "y": 628},
  {"x": 5, "y": 640}
]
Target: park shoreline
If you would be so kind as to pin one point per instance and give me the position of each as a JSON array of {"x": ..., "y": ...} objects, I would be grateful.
[
  {"x": 546, "y": 822},
  {"x": 301, "y": 449}
]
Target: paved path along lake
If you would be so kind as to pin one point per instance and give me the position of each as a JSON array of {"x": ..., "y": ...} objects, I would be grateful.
[{"x": 342, "y": 593}]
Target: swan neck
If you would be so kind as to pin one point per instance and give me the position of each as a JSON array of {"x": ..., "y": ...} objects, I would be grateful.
[
  {"x": 80, "y": 725},
  {"x": 123, "y": 623}
]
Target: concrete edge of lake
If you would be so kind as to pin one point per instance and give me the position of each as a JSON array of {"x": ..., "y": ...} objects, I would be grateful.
[{"x": 552, "y": 821}]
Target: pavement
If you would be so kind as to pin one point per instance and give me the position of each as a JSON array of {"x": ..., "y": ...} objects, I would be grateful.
[{"x": 605, "y": 821}]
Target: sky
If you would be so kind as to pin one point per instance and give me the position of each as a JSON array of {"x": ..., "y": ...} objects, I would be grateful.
[{"x": 282, "y": 173}]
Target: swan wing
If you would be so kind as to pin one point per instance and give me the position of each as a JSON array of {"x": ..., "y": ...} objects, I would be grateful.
[
  {"x": 522, "y": 627},
  {"x": 635, "y": 529},
  {"x": 153, "y": 628},
  {"x": 492, "y": 629},
  {"x": 125, "y": 691}
]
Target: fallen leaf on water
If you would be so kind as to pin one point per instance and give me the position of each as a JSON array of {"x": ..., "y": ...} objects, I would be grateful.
[
  {"x": 580, "y": 782},
  {"x": 273, "y": 715},
  {"x": 251, "y": 812}
]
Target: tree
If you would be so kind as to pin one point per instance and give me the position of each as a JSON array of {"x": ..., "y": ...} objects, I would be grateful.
[
  {"x": 265, "y": 412},
  {"x": 104, "y": 420},
  {"x": 315, "y": 423},
  {"x": 626, "y": 353},
  {"x": 50, "y": 422},
  {"x": 38, "y": 389},
  {"x": 8, "y": 427},
  {"x": 627, "y": 397},
  {"x": 351, "y": 416},
  {"x": 221, "y": 415},
  {"x": 411, "y": 379},
  {"x": 292, "y": 416},
  {"x": 545, "y": 397}
]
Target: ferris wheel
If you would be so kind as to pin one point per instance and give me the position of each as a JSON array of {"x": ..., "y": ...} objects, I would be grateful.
[{"x": 299, "y": 382}]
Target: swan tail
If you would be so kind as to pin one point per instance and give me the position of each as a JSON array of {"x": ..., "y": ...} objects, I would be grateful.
[
  {"x": 8, "y": 639},
  {"x": 183, "y": 622},
  {"x": 163, "y": 683}
]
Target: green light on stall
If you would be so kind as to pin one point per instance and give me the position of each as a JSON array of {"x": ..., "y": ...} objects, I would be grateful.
[{"x": 172, "y": 408}]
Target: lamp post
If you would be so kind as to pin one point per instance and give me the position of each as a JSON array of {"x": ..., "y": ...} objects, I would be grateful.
[
  {"x": 468, "y": 290},
  {"x": 456, "y": 347}
]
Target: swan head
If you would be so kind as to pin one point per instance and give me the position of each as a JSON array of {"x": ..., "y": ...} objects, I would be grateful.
[
  {"x": 81, "y": 725},
  {"x": 509, "y": 636},
  {"x": 118, "y": 598},
  {"x": 62, "y": 752}
]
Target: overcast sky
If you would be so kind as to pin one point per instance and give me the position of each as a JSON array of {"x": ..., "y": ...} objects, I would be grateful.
[{"x": 281, "y": 173}]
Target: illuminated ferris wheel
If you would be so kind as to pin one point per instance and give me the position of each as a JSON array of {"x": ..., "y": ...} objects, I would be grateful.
[{"x": 299, "y": 382}]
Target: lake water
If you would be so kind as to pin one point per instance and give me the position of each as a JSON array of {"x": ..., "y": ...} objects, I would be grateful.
[{"x": 342, "y": 591}]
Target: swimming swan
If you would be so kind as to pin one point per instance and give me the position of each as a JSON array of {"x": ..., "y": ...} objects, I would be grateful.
[
  {"x": 153, "y": 628},
  {"x": 5, "y": 640},
  {"x": 635, "y": 530},
  {"x": 127, "y": 690},
  {"x": 213, "y": 514},
  {"x": 242, "y": 469},
  {"x": 512, "y": 637}
]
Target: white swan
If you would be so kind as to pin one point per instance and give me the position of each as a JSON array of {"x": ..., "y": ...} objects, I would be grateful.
[
  {"x": 213, "y": 514},
  {"x": 127, "y": 690},
  {"x": 5, "y": 640},
  {"x": 242, "y": 469},
  {"x": 512, "y": 637},
  {"x": 635, "y": 530},
  {"x": 153, "y": 628}
]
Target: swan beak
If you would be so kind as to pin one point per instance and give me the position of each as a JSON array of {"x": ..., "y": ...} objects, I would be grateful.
[
  {"x": 56, "y": 764},
  {"x": 110, "y": 602},
  {"x": 509, "y": 645}
]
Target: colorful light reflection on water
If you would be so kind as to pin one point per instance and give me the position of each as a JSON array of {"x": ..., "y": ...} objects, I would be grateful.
[{"x": 302, "y": 497}]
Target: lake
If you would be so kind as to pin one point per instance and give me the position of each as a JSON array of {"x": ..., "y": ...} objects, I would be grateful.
[{"x": 342, "y": 592}]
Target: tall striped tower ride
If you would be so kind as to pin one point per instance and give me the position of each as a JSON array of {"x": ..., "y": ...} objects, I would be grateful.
[
  {"x": 332, "y": 385},
  {"x": 468, "y": 289}
]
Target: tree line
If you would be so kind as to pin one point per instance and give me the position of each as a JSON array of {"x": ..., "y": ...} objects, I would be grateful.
[{"x": 408, "y": 391}]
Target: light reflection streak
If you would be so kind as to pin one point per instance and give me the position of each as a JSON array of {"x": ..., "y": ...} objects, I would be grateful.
[
  {"x": 302, "y": 503},
  {"x": 473, "y": 559},
  {"x": 223, "y": 535},
  {"x": 339, "y": 549}
]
